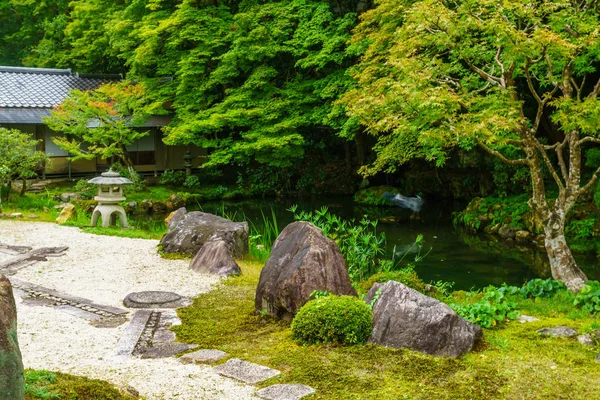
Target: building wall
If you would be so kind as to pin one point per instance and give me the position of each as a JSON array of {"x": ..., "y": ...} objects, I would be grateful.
[{"x": 149, "y": 154}]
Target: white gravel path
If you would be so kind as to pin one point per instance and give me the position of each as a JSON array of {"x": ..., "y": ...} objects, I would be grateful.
[{"x": 105, "y": 269}]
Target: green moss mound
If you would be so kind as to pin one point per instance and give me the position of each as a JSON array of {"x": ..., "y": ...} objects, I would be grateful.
[
  {"x": 40, "y": 384},
  {"x": 373, "y": 196},
  {"x": 408, "y": 277},
  {"x": 333, "y": 319}
]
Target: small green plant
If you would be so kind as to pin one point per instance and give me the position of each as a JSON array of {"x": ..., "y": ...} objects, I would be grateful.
[
  {"x": 85, "y": 189},
  {"x": 360, "y": 243},
  {"x": 36, "y": 382},
  {"x": 405, "y": 275},
  {"x": 318, "y": 294},
  {"x": 333, "y": 319},
  {"x": 588, "y": 297},
  {"x": 541, "y": 288},
  {"x": 171, "y": 177},
  {"x": 192, "y": 182},
  {"x": 375, "y": 298},
  {"x": 491, "y": 309}
]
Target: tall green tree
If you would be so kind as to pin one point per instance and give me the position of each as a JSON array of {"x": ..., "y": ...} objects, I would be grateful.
[
  {"x": 18, "y": 158},
  {"x": 439, "y": 74},
  {"x": 103, "y": 122}
]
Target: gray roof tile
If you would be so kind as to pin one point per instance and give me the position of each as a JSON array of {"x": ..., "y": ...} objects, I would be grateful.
[{"x": 41, "y": 87}]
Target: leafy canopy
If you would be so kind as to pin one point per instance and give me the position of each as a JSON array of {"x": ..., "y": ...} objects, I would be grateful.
[
  {"x": 442, "y": 73},
  {"x": 102, "y": 122}
]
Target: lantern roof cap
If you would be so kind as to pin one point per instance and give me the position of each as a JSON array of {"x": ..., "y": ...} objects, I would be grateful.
[{"x": 110, "y": 177}]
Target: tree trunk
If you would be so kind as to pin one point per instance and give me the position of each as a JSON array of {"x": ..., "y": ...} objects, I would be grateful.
[
  {"x": 24, "y": 187},
  {"x": 563, "y": 265}
]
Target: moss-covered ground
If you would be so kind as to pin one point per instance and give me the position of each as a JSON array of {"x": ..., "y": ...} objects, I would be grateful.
[
  {"x": 44, "y": 385},
  {"x": 513, "y": 361}
]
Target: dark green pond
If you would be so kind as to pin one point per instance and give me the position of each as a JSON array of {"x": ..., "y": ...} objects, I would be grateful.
[{"x": 469, "y": 261}]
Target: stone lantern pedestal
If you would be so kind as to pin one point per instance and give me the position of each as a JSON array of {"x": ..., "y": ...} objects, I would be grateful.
[{"x": 110, "y": 194}]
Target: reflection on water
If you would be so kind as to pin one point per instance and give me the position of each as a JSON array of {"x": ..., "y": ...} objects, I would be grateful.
[{"x": 469, "y": 261}]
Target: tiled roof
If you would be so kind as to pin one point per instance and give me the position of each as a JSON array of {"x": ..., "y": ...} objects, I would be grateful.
[{"x": 42, "y": 87}]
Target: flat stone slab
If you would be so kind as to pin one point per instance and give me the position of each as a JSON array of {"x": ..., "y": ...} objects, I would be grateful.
[
  {"x": 285, "y": 392},
  {"x": 245, "y": 371},
  {"x": 526, "y": 318},
  {"x": 132, "y": 332},
  {"x": 204, "y": 356},
  {"x": 53, "y": 297},
  {"x": 164, "y": 350},
  {"x": 155, "y": 299},
  {"x": 558, "y": 331}
]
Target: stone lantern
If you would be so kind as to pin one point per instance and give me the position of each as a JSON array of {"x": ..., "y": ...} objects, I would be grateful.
[
  {"x": 110, "y": 194},
  {"x": 187, "y": 159}
]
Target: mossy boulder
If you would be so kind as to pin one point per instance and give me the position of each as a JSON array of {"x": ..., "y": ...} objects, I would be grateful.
[
  {"x": 373, "y": 196},
  {"x": 11, "y": 364}
]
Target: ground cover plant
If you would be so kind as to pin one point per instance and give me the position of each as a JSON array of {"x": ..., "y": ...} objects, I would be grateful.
[
  {"x": 45, "y": 385},
  {"x": 512, "y": 362}
]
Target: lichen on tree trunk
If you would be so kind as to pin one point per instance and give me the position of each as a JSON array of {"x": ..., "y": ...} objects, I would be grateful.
[{"x": 563, "y": 265}]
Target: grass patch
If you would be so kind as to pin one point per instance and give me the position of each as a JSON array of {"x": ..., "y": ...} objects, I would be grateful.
[
  {"x": 40, "y": 384},
  {"x": 512, "y": 362}
]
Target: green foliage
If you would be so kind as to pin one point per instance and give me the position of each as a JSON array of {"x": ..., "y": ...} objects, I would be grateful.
[
  {"x": 85, "y": 189},
  {"x": 172, "y": 177},
  {"x": 263, "y": 236},
  {"x": 192, "y": 182},
  {"x": 18, "y": 157},
  {"x": 45, "y": 385},
  {"x": 582, "y": 229},
  {"x": 373, "y": 196},
  {"x": 588, "y": 297},
  {"x": 492, "y": 308},
  {"x": 406, "y": 276},
  {"x": 333, "y": 319},
  {"x": 138, "y": 182},
  {"x": 360, "y": 243},
  {"x": 101, "y": 123},
  {"x": 542, "y": 288}
]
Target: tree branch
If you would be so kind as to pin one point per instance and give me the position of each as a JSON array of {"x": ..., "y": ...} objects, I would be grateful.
[
  {"x": 589, "y": 139},
  {"x": 519, "y": 161},
  {"x": 561, "y": 159},
  {"x": 591, "y": 182},
  {"x": 490, "y": 78},
  {"x": 595, "y": 92},
  {"x": 549, "y": 165}
]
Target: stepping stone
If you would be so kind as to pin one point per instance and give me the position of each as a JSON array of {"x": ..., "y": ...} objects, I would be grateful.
[
  {"x": 164, "y": 350},
  {"x": 245, "y": 371},
  {"x": 585, "y": 340},
  {"x": 155, "y": 299},
  {"x": 598, "y": 358},
  {"x": 526, "y": 318},
  {"x": 285, "y": 392},
  {"x": 205, "y": 356},
  {"x": 132, "y": 332},
  {"x": 558, "y": 331}
]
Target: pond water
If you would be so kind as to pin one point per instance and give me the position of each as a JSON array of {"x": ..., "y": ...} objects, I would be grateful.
[{"x": 469, "y": 261}]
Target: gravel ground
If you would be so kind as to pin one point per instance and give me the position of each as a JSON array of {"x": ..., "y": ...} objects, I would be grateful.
[{"x": 105, "y": 269}]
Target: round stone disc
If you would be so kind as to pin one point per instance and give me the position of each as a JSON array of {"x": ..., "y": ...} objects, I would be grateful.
[{"x": 150, "y": 299}]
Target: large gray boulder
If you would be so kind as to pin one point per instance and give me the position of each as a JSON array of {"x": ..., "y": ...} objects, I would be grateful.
[
  {"x": 302, "y": 260},
  {"x": 403, "y": 317},
  {"x": 188, "y": 231},
  {"x": 215, "y": 257},
  {"x": 11, "y": 364}
]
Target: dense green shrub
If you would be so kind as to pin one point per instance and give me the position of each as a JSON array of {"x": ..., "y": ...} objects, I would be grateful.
[
  {"x": 360, "y": 244},
  {"x": 589, "y": 297},
  {"x": 171, "y": 177},
  {"x": 492, "y": 308},
  {"x": 192, "y": 182},
  {"x": 406, "y": 276},
  {"x": 85, "y": 189},
  {"x": 333, "y": 319},
  {"x": 541, "y": 288}
]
